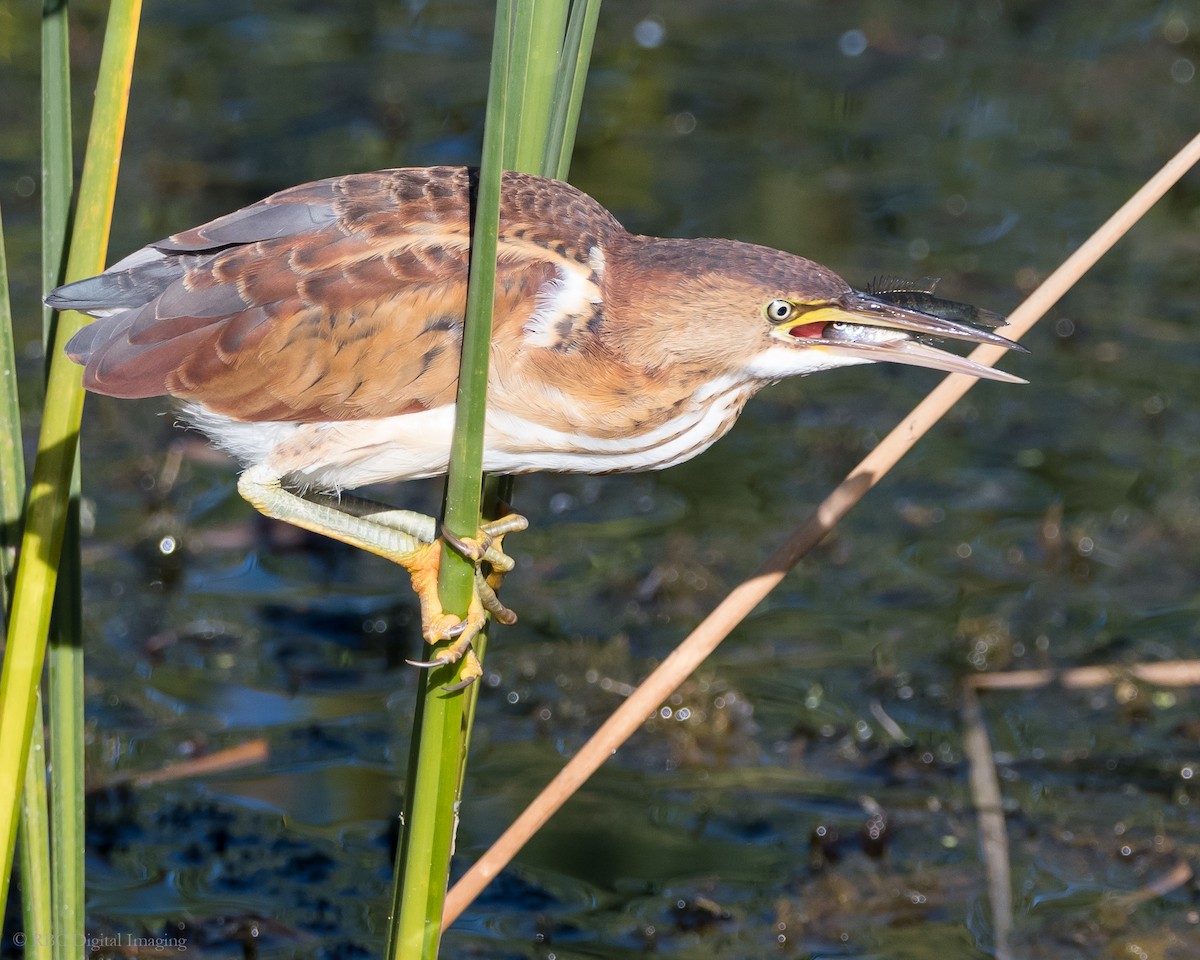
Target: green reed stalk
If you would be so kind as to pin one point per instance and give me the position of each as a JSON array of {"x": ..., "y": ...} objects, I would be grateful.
[
  {"x": 65, "y": 654},
  {"x": 57, "y": 166},
  {"x": 559, "y": 125},
  {"x": 37, "y": 880},
  {"x": 534, "y": 78},
  {"x": 569, "y": 81},
  {"x": 437, "y": 750},
  {"x": 65, "y": 702},
  {"x": 537, "y": 48},
  {"x": 34, "y": 818},
  {"x": 535, "y": 53},
  {"x": 52, "y": 920},
  {"x": 12, "y": 457},
  {"x": 50, "y": 490}
]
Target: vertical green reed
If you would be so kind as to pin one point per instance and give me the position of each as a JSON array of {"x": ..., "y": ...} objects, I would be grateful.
[
  {"x": 51, "y": 885},
  {"x": 436, "y": 749},
  {"x": 539, "y": 59},
  {"x": 12, "y": 457},
  {"x": 34, "y": 818},
  {"x": 49, "y": 499},
  {"x": 65, "y": 651}
]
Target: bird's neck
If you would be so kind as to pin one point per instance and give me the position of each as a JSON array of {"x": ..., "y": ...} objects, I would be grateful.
[{"x": 663, "y": 310}]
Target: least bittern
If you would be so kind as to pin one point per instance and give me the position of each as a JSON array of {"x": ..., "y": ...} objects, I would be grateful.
[{"x": 315, "y": 335}]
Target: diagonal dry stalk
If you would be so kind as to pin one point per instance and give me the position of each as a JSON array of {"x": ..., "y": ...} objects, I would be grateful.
[{"x": 680, "y": 664}]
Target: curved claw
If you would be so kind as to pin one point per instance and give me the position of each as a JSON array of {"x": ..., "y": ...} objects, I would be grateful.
[
  {"x": 454, "y": 630},
  {"x": 469, "y": 547},
  {"x": 461, "y": 685},
  {"x": 437, "y": 626},
  {"x": 472, "y": 669},
  {"x": 428, "y": 664},
  {"x": 487, "y": 545}
]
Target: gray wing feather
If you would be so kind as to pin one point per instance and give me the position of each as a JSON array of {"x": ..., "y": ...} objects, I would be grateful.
[{"x": 143, "y": 300}]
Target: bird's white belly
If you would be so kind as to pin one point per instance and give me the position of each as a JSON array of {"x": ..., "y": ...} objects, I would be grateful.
[
  {"x": 515, "y": 445},
  {"x": 354, "y": 453}
]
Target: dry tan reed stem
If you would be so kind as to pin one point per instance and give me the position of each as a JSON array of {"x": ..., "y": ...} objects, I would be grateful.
[
  {"x": 248, "y": 754},
  {"x": 1169, "y": 882},
  {"x": 1166, "y": 673},
  {"x": 744, "y": 598},
  {"x": 984, "y": 781}
]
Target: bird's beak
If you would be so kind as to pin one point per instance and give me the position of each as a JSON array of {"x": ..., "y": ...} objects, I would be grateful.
[{"x": 864, "y": 327}]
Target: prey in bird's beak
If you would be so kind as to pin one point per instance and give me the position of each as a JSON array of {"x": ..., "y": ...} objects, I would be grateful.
[{"x": 895, "y": 325}]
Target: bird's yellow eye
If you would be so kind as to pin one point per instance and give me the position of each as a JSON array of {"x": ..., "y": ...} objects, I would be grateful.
[{"x": 779, "y": 311}]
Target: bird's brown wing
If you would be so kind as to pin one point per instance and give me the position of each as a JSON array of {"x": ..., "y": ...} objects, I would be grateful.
[{"x": 335, "y": 300}]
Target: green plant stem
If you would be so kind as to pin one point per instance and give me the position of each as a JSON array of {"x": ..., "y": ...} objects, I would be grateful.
[
  {"x": 36, "y": 881},
  {"x": 57, "y": 163},
  {"x": 49, "y": 496},
  {"x": 569, "y": 82},
  {"x": 12, "y": 456},
  {"x": 34, "y": 828},
  {"x": 561, "y": 126},
  {"x": 436, "y": 754},
  {"x": 65, "y": 656},
  {"x": 533, "y": 78},
  {"x": 65, "y": 700},
  {"x": 536, "y": 51}
]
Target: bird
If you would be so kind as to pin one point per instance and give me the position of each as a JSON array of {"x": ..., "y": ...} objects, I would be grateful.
[{"x": 315, "y": 335}]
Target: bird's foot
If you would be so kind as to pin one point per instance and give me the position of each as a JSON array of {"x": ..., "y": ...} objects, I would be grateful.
[
  {"x": 409, "y": 539},
  {"x": 449, "y": 636},
  {"x": 485, "y": 549}
]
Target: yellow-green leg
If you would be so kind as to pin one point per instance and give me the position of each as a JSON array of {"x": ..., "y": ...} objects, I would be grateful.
[{"x": 409, "y": 539}]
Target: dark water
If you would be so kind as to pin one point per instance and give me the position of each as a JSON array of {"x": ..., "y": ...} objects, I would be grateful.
[{"x": 1051, "y": 525}]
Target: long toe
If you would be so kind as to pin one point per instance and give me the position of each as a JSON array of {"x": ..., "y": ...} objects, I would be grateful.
[{"x": 486, "y": 587}]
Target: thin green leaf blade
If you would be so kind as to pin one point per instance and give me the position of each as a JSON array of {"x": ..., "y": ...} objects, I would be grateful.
[{"x": 45, "y": 518}]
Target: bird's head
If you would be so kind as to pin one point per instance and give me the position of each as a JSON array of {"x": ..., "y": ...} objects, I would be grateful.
[{"x": 773, "y": 315}]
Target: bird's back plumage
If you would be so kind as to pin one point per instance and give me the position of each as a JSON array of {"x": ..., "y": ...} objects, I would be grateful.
[{"x": 336, "y": 300}]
